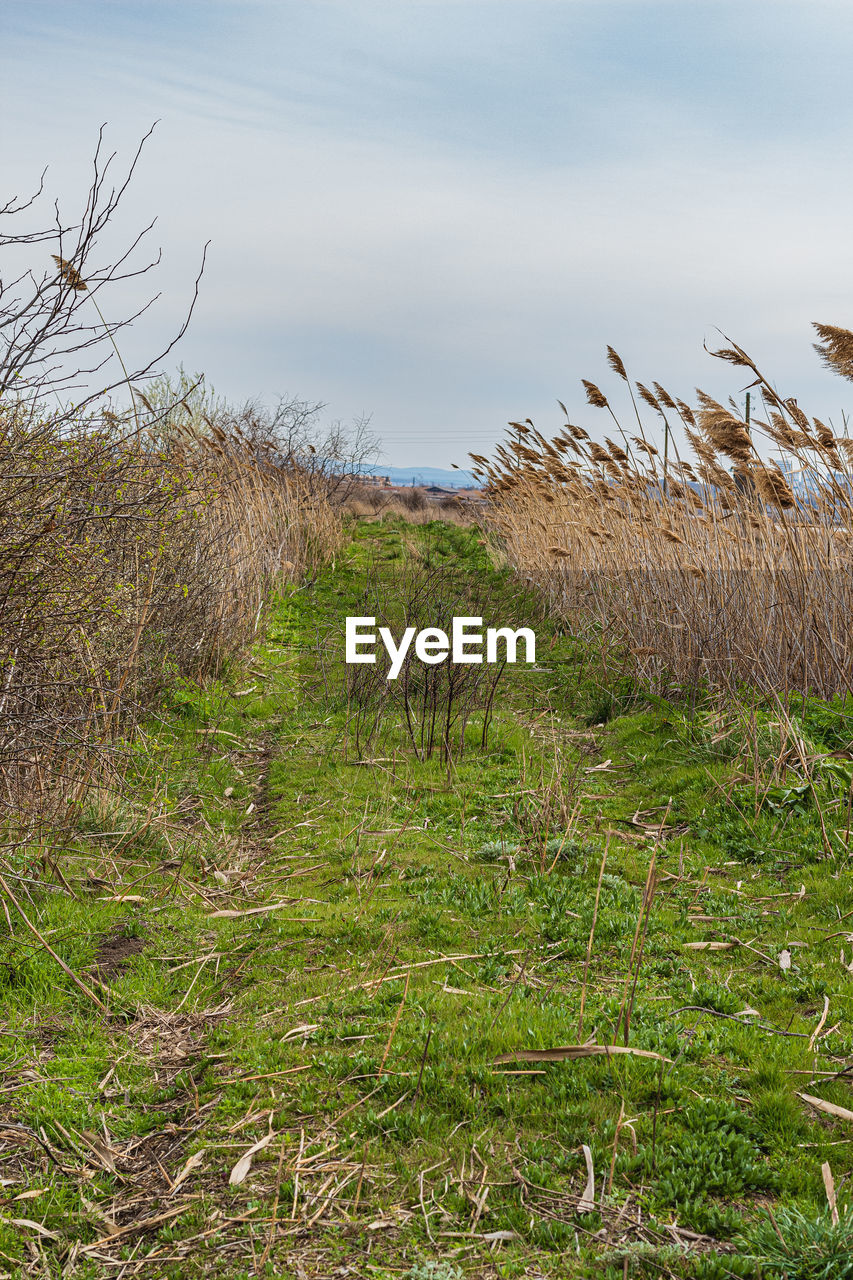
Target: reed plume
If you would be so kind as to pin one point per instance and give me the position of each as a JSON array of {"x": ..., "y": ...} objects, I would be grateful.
[
  {"x": 711, "y": 573},
  {"x": 835, "y": 349}
]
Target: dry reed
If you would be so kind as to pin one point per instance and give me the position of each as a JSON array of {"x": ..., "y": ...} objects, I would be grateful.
[
  {"x": 127, "y": 562},
  {"x": 718, "y": 566}
]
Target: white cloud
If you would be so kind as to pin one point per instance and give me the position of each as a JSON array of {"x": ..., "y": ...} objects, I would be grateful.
[{"x": 443, "y": 283}]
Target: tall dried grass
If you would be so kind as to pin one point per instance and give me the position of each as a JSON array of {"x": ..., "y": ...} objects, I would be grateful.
[
  {"x": 125, "y": 562},
  {"x": 415, "y": 506},
  {"x": 714, "y": 564}
]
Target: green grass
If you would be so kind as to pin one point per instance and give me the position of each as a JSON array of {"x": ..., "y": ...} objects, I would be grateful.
[{"x": 437, "y": 917}]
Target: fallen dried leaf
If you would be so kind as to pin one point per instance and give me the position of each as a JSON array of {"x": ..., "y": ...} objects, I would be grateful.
[
  {"x": 241, "y": 1169},
  {"x": 193, "y": 1163},
  {"x": 829, "y": 1188},
  {"x": 572, "y": 1051},
  {"x": 586, "y": 1204},
  {"x": 304, "y": 1029},
  {"x": 226, "y": 914},
  {"x": 820, "y": 1026},
  {"x": 35, "y": 1226},
  {"x": 97, "y": 1145}
]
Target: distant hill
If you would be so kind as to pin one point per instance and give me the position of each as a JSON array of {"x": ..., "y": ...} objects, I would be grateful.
[{"x": 425, "y": 476}]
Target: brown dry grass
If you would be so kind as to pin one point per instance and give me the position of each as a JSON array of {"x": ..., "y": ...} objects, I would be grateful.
[
  {"x": 707, "y": 562},
  {"x": 126, "y": 562},
  {"x": 366, "y": 502}
]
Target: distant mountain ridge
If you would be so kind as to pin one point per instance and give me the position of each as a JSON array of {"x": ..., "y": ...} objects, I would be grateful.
[{"x": 425, "y": 476}]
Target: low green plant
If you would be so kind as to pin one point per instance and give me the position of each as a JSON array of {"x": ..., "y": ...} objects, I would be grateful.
[
  {"x": 430, "y": 1270},
  {"x": 794, "y": 1245}
]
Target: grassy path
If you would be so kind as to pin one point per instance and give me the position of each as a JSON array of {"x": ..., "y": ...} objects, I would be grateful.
[{"x": 332, "y": 978}]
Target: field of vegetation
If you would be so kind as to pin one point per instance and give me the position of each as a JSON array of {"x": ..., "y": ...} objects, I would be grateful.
[
  {"x": 502, "y": 971},
  {"x": 301, "y": 996}
]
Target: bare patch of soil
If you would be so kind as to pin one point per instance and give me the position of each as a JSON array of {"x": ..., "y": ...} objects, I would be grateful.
[{"x": 116, "y": 950}]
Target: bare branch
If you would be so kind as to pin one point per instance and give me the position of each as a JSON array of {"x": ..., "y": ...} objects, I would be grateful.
[{"x": 47, "y": 321}]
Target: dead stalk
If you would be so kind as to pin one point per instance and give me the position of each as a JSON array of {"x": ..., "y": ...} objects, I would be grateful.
[{"x": 592, "y": 935}]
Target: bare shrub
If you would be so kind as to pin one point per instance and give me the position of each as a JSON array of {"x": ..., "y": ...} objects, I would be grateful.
[
  {"x": 123, "y": 565},
  {"x": 366, "y": 499},
  {"x": 55, "y": 339},
  {"x": 434, "y": 704},
  {"x": 414, "y": 506},
  {"x": 134, "y": 545},
  {"x": 375, "y": 499},
  {"x": 412, "y": 499},
  {"x": 331, "y": 458}
]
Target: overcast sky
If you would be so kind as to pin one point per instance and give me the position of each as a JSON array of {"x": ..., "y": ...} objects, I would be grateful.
[{"x": 440, "y": 212}]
